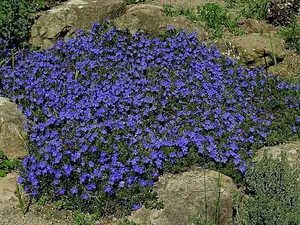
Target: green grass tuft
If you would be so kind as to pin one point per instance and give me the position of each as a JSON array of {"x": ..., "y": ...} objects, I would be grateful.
[{"x": 212, "y": 15}]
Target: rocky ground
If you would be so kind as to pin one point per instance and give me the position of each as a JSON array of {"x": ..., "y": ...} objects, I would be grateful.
[{"x": 10, "y": 213}]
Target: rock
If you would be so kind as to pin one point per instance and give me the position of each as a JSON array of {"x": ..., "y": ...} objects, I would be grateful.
[
  {"x": 184, "y": 198},
  {"x": 154, "y": 22},
  {"x": 253, "y": 49},
  {"x": 8, "y": 190},
  {"x": 251, "y": 26},
  {"x": 291, "y": 149},
  {"x": 289, "y": 67},
  {"x": 62, "y": 21},
  {"x": 12, "y": 130}
]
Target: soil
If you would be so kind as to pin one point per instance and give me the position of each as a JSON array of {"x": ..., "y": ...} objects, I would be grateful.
[{"x": 10, "y": 213}]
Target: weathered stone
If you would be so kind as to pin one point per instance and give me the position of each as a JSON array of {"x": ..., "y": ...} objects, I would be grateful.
[
  {"x": 62, "y": 21},
  {"x": 253, "y": 49},
  {"x": 250, "y": 26},
  {"x": 289, "y": 67},
  {"x": 154, "y": 22},
  {"x": 8, "y": 190},
  {"x": 184, "y": 198},
  {"x": 12, "y": 126}
]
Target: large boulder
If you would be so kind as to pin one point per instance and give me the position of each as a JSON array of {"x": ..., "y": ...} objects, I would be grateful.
[
  {"x": 254, "y": 49},
  {"x": 184, "y": 197},
  {"x": 61, "y": 22},
  {"x": 12, "y": 130},
  {"x": 152, "y": 20}
]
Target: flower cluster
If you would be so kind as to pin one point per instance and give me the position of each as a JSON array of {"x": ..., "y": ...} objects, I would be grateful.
[{"x": 107, "y": 110}]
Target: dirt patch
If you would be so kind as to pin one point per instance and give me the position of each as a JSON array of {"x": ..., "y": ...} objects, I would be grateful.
[{"x": 10, "y": 213}]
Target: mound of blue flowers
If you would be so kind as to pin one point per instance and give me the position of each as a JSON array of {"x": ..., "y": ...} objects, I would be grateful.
[{"x": 109, "y": 111}]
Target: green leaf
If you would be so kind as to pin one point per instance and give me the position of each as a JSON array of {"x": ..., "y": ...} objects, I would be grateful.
[
  {"x": 2, "y": 173},
  {"x": 8, "y": 163}
]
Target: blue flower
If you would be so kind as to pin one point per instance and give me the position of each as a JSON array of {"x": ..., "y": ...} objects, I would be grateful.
[
  {"x": 68, "y": 169},
  {"x": 62, "y": 191},
  {"x": 91, "y": 187},
  {"x": 74, "y": 190},
  {"x": 85, "y": 196},
  {"x": 136, "y": 206},
  {"x": 121, "y": 184},
  {"x": 108, "y": 189},
  {"x": 20, "y": 180}
]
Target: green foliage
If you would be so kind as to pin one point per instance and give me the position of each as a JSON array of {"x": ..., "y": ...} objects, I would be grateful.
[
  {"x": 212, "y": 15},
  {"x": 256, "y": 9},
  {"x": 6, "y": 165},
  {"x": 229, "y": 169},
  {"x": 60, "y": 204},
  {"x": 20, "y": 199},
  {"x": 42, "y": 200},
  {"x": 81, "y": 219},
  {"x": 291, "y": 34},
  {"x": 215, "y": 17},
  {"x": 274, "y": 194},
  {"x": 127, "y": 222},
  {"x": 15, "y": 20},
  {"x": 231, "y": 3},
  {"x": 17, "y": 16},
  {"x": 170, "y": 11}
]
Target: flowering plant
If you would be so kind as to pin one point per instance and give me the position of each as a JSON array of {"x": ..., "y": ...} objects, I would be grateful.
[{"x": 108, "y": 112}]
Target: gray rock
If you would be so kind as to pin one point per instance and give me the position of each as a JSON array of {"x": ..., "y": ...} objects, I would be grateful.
[
  {"x": 61, "y": 22},
  {"x": 154, "y": 22},
  {"x": 253, "y": 49},
  {"x": 8, "y": 190},
  {"x": 184, "y": 198},
  {"x": 12, "y": 130}
]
